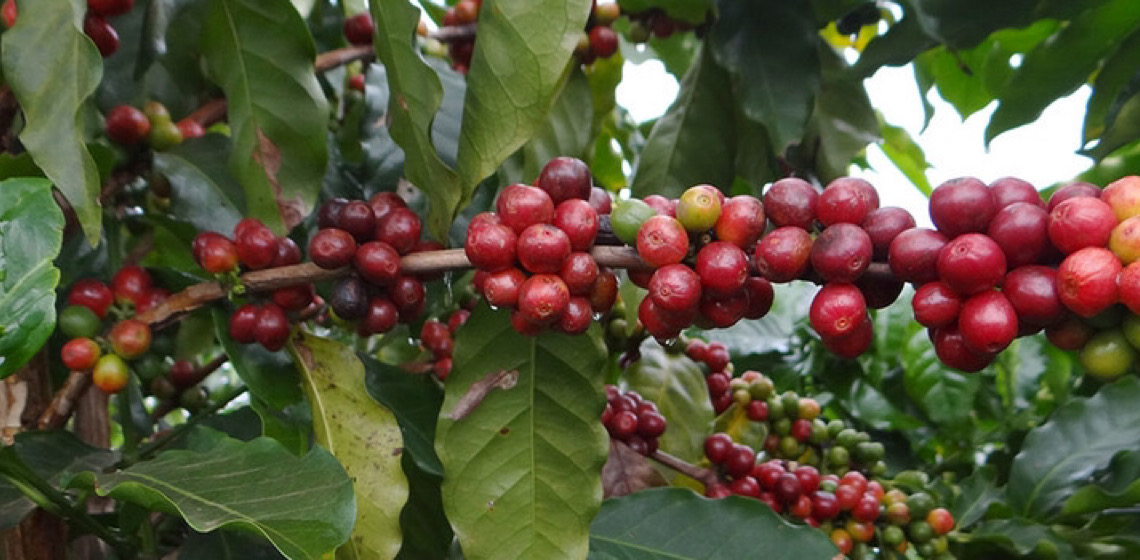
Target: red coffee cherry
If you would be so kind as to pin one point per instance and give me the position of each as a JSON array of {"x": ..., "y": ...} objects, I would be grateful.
[
  {"x": 723, "y": 268},
  {"x": 256, "y": 247},
  {"x": 104, "y": 36},
  {"x": 491, "y": 247},
  {"x": 846, "y": 200},
  {"x": 127, "y": 125},
  {"x": 272, "y": 327},
  {"x": 577, "y": 317},
  {"x": 382, "y": 316},
  {"x": 131, "y": 283},
  {"x": 791, "y": 202},
  {"x": 675, "y": 288},
  {"x": 400, "y": 228},
  {"x": 565, "y": 178},
  {"x": 377, "y": 262},
  {"x": 962, "y": 205},
  {"x": 409, "y": 296},
  {"x": 358, "y": 219},
  {"x": 243, "y": 323},
  {"x": 521, "y": 206},
  {"x": 741, "y": 221},
  {"x": 542, "y": 248},
  {"x": 603, "y": 41},
  {"x": 579, "y": 221},
  {"x": 384, "y": 202},
  {"x": 358, "y": 29},
  {"x": 215, "y": 253},
  {"x": 332, "y": 248},
  {"x": 837, "y": 309},
  {"x": 501, "y": 289},
  {"x": 543, "y": 298},
  {"x": 80, "y": 354},
  {"x": 130, "y": 338},
  {"x": 971, "y": 263},
  {"x": 841, "y": 253},
  {"x": 92, "y": 294},
  {"x": 662, "y": 240},
  {"x": 580, "y": 272},
  {"x": 783, "y": 254},
  {"x": 913, "y": 255}
]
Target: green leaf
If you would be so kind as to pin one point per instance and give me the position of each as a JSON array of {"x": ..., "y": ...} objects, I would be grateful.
[
  {"x": 842, "y": 121},
  {"x": 901, "y": 44},
  {"x": 1118, "y": 487},
  {"x": 521, "y": 62},
  {"x": 520, "y": 440},
  {"x": 1118, "y": 70},
  {"x": 1124, "y": 129},
  {"x": 52, "y": 68},
  {"x": 1032, "y": 375},
  {"x": 415, "y": 96},
  {"x": 770, "y": 50},
  {"x": 977, "y": 493},
  {"x": 46, "y": 455},
  {"x": 362, "y": 435},
  {"x": 677, "y": 385},
  {"x": 694, "y": 141},
  {"x": 1080, "y": 439},
  {"x": 238, "y": 485},
  {"x": 564, "y": 132},
  {"x": 415, "y": 400},
  {"x": 692, "y": 11},
  {"x": 203, "y": 191},
  {"x": 1023, "y": 537},
  {"x": 906, "y": 154},
  {"x": 1063, "y": 63},
  {"x": 964, "y": 23},
  {"x": 31, "y": 234},
  {"x": 261, "y": 54},
  {"x": 675, "y": 523},
  {"x": 426, "y": 531},
  {"x": 271, "y": 376}
]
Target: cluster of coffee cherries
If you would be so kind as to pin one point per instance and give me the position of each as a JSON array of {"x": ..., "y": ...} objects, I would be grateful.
[
  {"x": 715, "y": 356},
  {"x": 696, "y": 246},
  {"x": 532, "y": 254},
  {"x": 89, "y": 303},
  {"x": 821, "y": 472},
  {"x": 370, "y": 237},
  {"x": 129, "y": 126},
  {"x": 853, "y": 233},
  {"x": 1003, "y": 263},
  {"x": 633, "y": 420},
  {"x": 95, "y": 23},
  {"x": 600, "y": 40},
  {"x": 858, "y": 514},
  {"x": 437, "y": 337}
]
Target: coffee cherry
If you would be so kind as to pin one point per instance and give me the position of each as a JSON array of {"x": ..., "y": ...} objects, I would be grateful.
[
  {"x": 718, "y": 446},
  {"x": 787, "y": 488},
  {"x": 760, "y": 296},
  {"x": 853, "y": 344},
  {"x": 332, "y": 248},
  {"x": 603, "y": 41},
  {"x": 491, "y": 247},
  {"x": 627, "y": 218},
  {"x": 741, "y": 221},
  {"x": 565, "y": 178},
  {"x": 521, "y": 206},
  {"x": 1069, "y": 334},
  {"x": 846, "y": 200},
  {"x": 722, "y": 267},
  {"x": 104, "y": 36},
  {"x": 661, "y": 205},
  {"x": 604, "y": 294},
  {"x": 578, "y": 220},
  {"x": 962, "y": 205},
  {"x": 436, "y": 338},
  {"x": 382, "y": 316},
  {"x": 913, "y": 255},
  {"x": 940, "y": 521},
  {"x": 243, "y": 323},
  {"x": 329, "y": 214},
  {"x": 1021, "y": 230},
  {"x": 409, "y": 296},
  {"x": 256, "y": 247},
  {"x": 661, "y": 241},
  {"x": 837, "y": 309},
  {"x": 988, "y": 322},
  {"x": 358, "y": 29},
  {"x": 791, "y": 202},
  {"x": 130, "y": 338},
  {"x": 721, "y": 311},
  {"x": 183, "y": 374},
  {"x": 740, "y": 460},
  {"x": 377, "y": 262},
  {"x": 580, "y": 272},
  {"x": 675, "y": 288},
  {"x": 190, "y": 128},
  {"x": 272, "y": 327},
  {"x": 79, "y": 354},
  {"x": 215, "y": 253},
  {"x": 1009, "y": 190},
  {"x": 502, "y": 288},
  {"x": 9, "y": 14},
  {"x": 1081, "y": 222},
  {"x": 358, "y": 219},
  {"x": 577, "y": 317},
  {"x": 842, "y": 252},
  {"x": 952, "y": 350},
  {"x": 935, "y": 305},
  {"x": 1107, "y": 355},
  {"x": 110, "y": 374},
  {"x": 130, "y": 283},
  {"x": 294, "y": 298},
  {"x": 783, "y": 254},
  {"x": 971, "y": 263},
  {"x": 127, "y": 125},
  {"x": 92, "y": 294},
  {"x": 1087, "y": 280},
  {"x": 543, "y": 298},
  {"x": 400, "y": 228},
  {"x": 542, "y": 248},
  {"x": 699, "y": 208}
]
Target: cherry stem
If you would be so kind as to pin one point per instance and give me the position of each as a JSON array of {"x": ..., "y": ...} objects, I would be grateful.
[{"x": 701, "y": 474}]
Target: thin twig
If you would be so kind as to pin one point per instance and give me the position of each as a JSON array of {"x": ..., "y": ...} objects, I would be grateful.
[
  {"x": 64, "y": 401},
  {"x": 701, "y": 474}
]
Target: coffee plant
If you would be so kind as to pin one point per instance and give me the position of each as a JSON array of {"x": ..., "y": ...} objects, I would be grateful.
[{"x": 398, "y": 279}]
